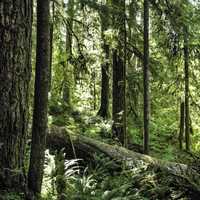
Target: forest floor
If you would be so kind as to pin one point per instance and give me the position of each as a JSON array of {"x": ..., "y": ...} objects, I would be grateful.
[
  {"x": 143, "y": 182},
  {"x": 100, "y": 182}
]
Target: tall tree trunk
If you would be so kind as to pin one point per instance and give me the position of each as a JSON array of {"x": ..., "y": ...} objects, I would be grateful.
[
  {"x": 93, "y": 78},
  {"x": 119, "y": 78},
  {"x": 104, "y": 106},
  {"x": 187, "y": 118},
  {"x": 68, "y": 71},
  {"x": 35, "y": 174},
  {"x": 146, "y": 77},
  {"x": 182, "y": 123},
  {"x": 15, "y": 72},
  {"x": 133, "y": 82},
  {"x": 51, "y": 43}
]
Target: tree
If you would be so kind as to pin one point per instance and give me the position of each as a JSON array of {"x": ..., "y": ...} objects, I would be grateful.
[
  {"x": 104, "y": 105},
  {"x": 146, "y": 77},
  {"x": 133, "y": 63},
  {"x": 51, "y": 42},
  {"x": 38, "y": 145},
  {"x": 119, "y": 74},
  {"x": 68, "y": 70},
  {"x": 15, "y": 70},
  {"x": 182, "y": 123},
  {"x": 60, "y": 174}
]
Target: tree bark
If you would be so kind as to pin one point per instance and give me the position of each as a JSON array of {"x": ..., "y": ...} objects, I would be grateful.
[
  {"x": 146, "y": 77},
  {"x": 182, "y": 125},
  {"x": 104, "y": 105},
  {"x": 51, "y": 43},
  {"x": 119, "y": 77},
  {"x": 15, "y": 72},
  {"x": 35, "y": 173}
]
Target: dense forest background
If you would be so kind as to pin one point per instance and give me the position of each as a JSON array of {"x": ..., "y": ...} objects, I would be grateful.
[{"x": 99, "y": 99}]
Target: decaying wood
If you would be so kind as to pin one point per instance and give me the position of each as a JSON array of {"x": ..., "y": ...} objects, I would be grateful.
[{"x": 85, "y": 148}]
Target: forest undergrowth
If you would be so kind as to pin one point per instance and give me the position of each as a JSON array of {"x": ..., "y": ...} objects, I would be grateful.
[{"x": 98, "y": 180}]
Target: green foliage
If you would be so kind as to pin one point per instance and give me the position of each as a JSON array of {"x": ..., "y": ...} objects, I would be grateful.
[
  {"x": 81, "y": 72},
  {"x": 11, "y": 196},
  {"x": 83, "y": 75},
  {"x": 139, "y": 183}
]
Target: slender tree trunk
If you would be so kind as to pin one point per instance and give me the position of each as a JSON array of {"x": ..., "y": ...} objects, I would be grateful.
[
  {"x": 186, "y": 60},
  {"x": 60, "y": 175},
  {"x": 15, "y": 72},
  {"x": 182, "y": 124},
  {"x": 51, "y": 43},
  {"x": 68, "y": 71},
  {"x": 124, "y": 72},
  {"x": 134, "y": 97},
  {"x": 66, "y": 90},
  {"x": 104, "y": 106},
  {"x": 146, "y": 77},
  {"x": 35, "y": 174},
  {"x": 94, "y": 91},
  {"x": 119, "y": 78}
]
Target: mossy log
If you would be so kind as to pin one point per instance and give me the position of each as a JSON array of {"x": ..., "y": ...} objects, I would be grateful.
[{"x": 79, "y": 146}]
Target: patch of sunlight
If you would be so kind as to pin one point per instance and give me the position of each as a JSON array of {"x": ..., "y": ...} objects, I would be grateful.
[
  {"x": 49, "y": 168},
  {"x": 197, "y": 146}
]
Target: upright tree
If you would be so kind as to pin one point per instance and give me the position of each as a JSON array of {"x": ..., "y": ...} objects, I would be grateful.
[
  {"x": 60, "y": 175},
  {"x": 39, "y": 128},
  {"x": 119, "y": 73},
  {"x": 51, "y": 41},
  {"x": 15, "y": 71},
  {"x": 68, "y": 70},
  {"x": 104, "y": 104},
  {"x": 146, "y": 77},
  {"x": 182, "y": 123}
]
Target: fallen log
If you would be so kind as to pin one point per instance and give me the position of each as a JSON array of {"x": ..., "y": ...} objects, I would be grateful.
[
  {"x": 79, "y": 146},
  {"x": 84, "y": 147},
  {"x": 178, "y": 176}
]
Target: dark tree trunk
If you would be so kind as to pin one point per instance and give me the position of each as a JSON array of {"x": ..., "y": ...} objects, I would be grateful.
[
  {"x": 182, "y": 123},
  {"x": 15, "y": 71},
  {"x": 146, "y": 77},
  {"x": 187, "y": 118},
  {"x": 40, "y": 99},
  {"x": 119, "y": 77},
  {"x": 118, "y": 100},
  {"x": 104, "y": 106}
]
